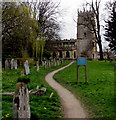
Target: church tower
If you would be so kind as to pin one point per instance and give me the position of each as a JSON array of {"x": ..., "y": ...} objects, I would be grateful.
[{"x": 86, "y": 42}]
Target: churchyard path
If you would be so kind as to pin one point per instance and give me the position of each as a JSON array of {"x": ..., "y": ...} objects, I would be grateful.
[{"x": 71, "y": 106}]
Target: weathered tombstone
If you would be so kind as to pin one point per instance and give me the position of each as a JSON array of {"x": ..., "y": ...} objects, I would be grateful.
[
  {"x": 6, "y": 64},
  {"x": 62, "y": 61},
  {"x": 15, "y": 64},
  {"x": 37, "y": 64},
  {"x": 26, "y": 66},
  {"x": 49, "y": 65},
  {"x": 42, "y": 63},
  {"x": 21, "y": 107},
  {"x": 45, "y": 63},
  {"x": 54, "y": 62},
  {"x": 11, "y": 63},
  {"x": 58, "y": 62}
]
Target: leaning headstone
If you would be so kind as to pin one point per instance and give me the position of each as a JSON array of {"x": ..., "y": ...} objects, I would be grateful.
[
  {"x": 26, "y": 66},
  {"x": 11, "y": 63},
  {"x": 49, "y": 64},
  {"x": 37, "y": 64},
  {"x": 55, "y": 62},
  {"x": 15, "y": 64},
  {"x": 52, "y": 63},
  {"x": 45, "y": 64},
  {"x": 61, "y": 61},
  {"x": 6, "y": 65},
  {"x": 21, "y": 107},
  {"x": 58, "y": 62}
]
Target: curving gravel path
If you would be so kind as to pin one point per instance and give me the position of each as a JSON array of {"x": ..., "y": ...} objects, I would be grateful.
[{"x": 71, "y": 106}]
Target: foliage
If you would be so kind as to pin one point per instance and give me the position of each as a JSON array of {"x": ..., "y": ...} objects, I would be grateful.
[
  {"x": 97, "y": 96},
  {"x": 110, "y": 35},
  {"x": 19, "y": 29},
  {"x": 27, "y": 25},
  {"x": 46, "y": 54},
  {"x": 24, "y": 79}
]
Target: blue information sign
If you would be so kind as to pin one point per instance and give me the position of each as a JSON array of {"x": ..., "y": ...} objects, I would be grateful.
[{"x": 81, "y": 61}]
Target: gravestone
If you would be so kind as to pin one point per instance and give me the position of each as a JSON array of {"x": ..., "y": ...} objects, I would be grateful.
[
  {"x": 6, "y": 65},
  {"x": 37, "y": 64},
  {"x": 61, "y": 61},
  {"x": 26, "y": 66},
  {"x": 45, "y": 63},
  {"x": 12, "y": 63},
  {"x": 15, "y": 64},
  {"x": 21, "y": 107},
  {"x": 58, "y": 62},
  {"x": 54, "y": 62},
  {"x": 49, "y": 64}
]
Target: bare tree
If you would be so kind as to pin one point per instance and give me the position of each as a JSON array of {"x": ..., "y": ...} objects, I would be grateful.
[
  {"x": 46, "y": 12},
  {"x": 94, "y": 25}
]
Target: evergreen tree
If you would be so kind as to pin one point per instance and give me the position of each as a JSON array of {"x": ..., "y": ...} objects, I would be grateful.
[{"x": 110, "y": 33}]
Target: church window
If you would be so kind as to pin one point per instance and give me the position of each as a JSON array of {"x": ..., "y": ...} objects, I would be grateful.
[{"x": 85, "y": 35}]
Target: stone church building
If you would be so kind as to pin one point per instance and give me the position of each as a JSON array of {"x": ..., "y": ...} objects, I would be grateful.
[
  {"x": 66, "y": 49},
  {"x": 83, "y": 46}
]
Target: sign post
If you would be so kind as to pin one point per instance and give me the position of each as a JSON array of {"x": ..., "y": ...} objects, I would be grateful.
[{"x": 82, "y": 62}]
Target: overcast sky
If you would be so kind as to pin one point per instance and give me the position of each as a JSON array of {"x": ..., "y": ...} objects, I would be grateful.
[{"x": 69, "y": 14}]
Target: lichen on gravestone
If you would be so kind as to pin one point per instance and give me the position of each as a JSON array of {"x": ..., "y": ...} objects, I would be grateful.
[{"x": 21, "y": 107}]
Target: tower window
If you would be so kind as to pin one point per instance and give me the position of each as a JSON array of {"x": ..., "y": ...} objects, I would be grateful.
[{"x": 85, "y": 35}]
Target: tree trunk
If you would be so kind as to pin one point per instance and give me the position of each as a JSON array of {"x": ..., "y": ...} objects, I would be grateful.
[
  {"x": 100, "y": 50},
  {"x": 99, "y": 36}
]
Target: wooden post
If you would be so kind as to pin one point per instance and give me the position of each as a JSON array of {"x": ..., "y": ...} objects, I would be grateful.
[
  {"x": 77, "y": 74},
  {"x": 82, "y": 62},
  {"x": 86, "y": 74}
]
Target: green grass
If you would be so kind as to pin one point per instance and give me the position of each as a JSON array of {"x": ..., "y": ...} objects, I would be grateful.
[
  {"x": 98, "y": 95},
  {"x": 41, "y": 106}
]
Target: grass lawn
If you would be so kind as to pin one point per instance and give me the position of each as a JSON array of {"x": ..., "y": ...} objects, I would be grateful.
[
  {"x": 41, "y": 106},
  {"x": 98, "y": 95}
]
